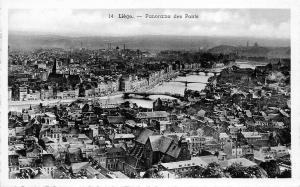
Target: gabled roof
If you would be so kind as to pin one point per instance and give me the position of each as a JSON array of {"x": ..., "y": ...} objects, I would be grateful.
[
  {"x": 144, "y": 135},
  {"x": 155, "y": 142},
  {"x": 164, "y": 144},
  {"x": 174, "y": 150}
]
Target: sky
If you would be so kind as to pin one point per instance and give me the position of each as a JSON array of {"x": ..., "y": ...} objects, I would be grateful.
[{"x": 261, "y": 23}]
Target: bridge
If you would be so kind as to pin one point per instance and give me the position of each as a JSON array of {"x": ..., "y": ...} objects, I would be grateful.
[
  {"x": 189, "y": 82},
  {"x": 147, "y": 94},
  {"x": 197, "y": 71}
]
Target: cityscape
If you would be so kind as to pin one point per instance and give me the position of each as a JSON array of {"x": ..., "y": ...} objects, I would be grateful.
[{"x": 148, "y": 106}]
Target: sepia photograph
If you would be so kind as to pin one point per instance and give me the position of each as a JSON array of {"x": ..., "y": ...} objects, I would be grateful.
[{"x": 149, "y": 93}]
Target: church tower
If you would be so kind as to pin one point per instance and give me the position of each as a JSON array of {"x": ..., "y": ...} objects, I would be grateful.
[{"x": 54, "y": 67}]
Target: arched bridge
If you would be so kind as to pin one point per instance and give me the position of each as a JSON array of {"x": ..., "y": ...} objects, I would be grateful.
[
  {"x": 147, "y": 94},
  {"x": 197, "y": 71},
  {"x": 188, "y": 82}
]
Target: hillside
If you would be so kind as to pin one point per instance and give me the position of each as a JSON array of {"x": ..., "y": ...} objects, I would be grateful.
[
  {"x": 253, "y": 51},
  {"x": 152, "y": 43}
]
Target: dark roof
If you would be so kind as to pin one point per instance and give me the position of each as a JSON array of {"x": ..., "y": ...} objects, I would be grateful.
[
  {"x": 59, "y": 78},
  {"x": 144, "y": 135},
  {"x": 165, "y": 145}
]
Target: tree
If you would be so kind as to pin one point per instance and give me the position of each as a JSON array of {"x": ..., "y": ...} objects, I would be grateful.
[
  {"x": 152, "y": 173},
  {"x": 213, "y": 170},
  {"x": 238, "y": 171},
  {"x": 271, "y": 168},
  {"x": 285, "y": 174}
]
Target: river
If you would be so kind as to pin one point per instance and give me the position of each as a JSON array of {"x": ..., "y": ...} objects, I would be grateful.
[{"x": 172, "y": 87}]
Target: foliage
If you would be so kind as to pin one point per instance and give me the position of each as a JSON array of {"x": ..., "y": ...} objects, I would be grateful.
[
  {"x": 238, "y": 171},
  {"x": 285, "y": 174},
  {"x": 213, "y": 170},
  {"x": 152, "y": 173},
  {"x": 271, "y": 168}
]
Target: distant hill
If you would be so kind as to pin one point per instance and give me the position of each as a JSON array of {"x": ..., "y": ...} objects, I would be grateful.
[
  {"x": 152, "y": 43},
  {"x": 253, "y": 51},
  {"x": 225, "y": 49}
]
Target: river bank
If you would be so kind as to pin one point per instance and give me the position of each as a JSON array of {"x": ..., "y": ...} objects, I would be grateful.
[
  {"x": 165, "y": 85},
  {"x": 104, "y": 100}
]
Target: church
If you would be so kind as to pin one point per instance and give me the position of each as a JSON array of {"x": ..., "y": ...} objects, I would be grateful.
[
  {"x": 60, "y": 79},
  {"x": 55, "y": 77}
]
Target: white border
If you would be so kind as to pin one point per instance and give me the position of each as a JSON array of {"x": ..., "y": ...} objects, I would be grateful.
[{"x": 293, "y": 5}]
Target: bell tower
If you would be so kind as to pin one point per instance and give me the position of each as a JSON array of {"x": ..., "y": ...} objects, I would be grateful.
[{"x": 54, "y": 67}]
